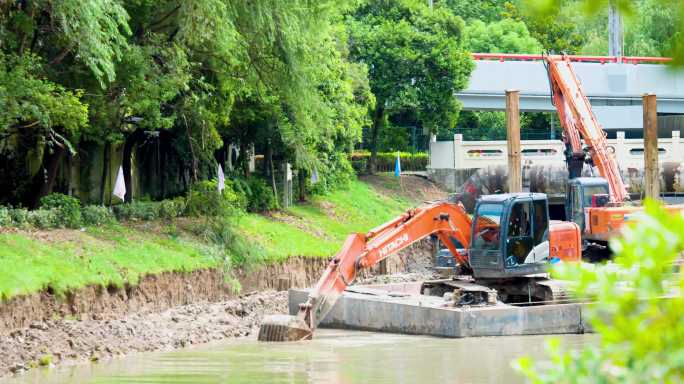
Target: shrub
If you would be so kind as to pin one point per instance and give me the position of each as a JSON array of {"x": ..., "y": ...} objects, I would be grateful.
[
  {"x": 636, "y": 307},
  {"x": 44, "y": 218},
  {"x": 137, "y": 210},
  {"x": 68, "y": 207},
  {"x": 260, "y": 197},
  {"x": 45, "y": 360},
  {"x": 97, "y": 215},
  {"x": 5, "y": 218},
  {"x": 360, "y": 164},
  {"x": 386, "y": 160},
  {"x": 169, "y": 209},
  {"x": 334, "y": 172},
  {"x": 19, "y": 217},
  {"x": 204, "y": 199}
]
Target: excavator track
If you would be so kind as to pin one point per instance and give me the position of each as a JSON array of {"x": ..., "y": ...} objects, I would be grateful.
[
  {"x": 533, "y": 290},
  {"x": 557, "y": 291}
]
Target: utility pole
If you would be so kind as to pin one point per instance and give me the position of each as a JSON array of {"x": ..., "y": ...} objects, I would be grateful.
[
  {"x": 615, "y": 29},
  {"x": 513, "y": 139},
  {"x": 651, "y": 169}
]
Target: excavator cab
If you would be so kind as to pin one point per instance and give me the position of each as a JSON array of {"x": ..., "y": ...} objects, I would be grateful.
[
  {"x": 582, "y": 192},
  {"x": 510, "y": 235}
]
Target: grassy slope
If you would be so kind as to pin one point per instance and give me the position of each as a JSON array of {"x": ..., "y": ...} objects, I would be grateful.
[
  {"x": 68, "y": 259},
  {"x": 111, "y": 255},
  {"x": 318, "y": 229}
]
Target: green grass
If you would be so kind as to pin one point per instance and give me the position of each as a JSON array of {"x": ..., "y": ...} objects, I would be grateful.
[
  {"x": 327, "y": 221},
  {"x": 118, "y": 254},
  {"x": 109, "y": 255}
]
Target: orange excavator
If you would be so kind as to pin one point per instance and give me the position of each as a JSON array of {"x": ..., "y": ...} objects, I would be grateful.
[
  {"x": 509, "y": 241},
  {"x": 600, "y": 204},
  {"x": 505, "y": 245}
]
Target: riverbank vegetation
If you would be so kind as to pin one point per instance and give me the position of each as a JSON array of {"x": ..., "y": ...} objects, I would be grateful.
[{"x": 122, "y": 249}]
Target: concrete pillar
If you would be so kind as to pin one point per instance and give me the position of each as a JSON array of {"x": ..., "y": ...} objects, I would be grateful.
[
  {"x": 651, "y": 177},
  {"x": 676, "y": 155},
  {"x": 458, "y": 149},
  {"x": 513, "y": 139},
  {"x": 620, "y": 147}
]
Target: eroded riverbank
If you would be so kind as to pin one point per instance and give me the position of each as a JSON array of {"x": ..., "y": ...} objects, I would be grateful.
[
  {"x": 53, "y": 341},
  {"x": 163, "y": 312}
]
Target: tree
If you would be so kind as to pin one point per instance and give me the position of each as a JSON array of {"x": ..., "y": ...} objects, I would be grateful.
[
  {"x": 505, "y": 36},
  {"x": 650, "y": 23},
  {"x": 487, "y": 11},
  {"x": 188, "y": 77},
  {"x": 556, "y": 31},
  {"x": 637, "y": 310},
  {"x": 36, "y": 39},
  {"x": 416, "y": 58}
]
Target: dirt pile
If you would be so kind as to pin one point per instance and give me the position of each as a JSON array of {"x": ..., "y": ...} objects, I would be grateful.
[
  {"x": 412, "y": 187},
  {"x": 55, "y": 341}
]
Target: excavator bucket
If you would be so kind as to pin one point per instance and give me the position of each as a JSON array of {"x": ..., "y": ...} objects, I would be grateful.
[{"x": 284, "y": 328}]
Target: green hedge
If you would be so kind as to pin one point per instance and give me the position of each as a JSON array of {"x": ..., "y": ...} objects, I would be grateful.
[
  {"x": 385, "y": 161},
  {"x": 61, "y": 211}
]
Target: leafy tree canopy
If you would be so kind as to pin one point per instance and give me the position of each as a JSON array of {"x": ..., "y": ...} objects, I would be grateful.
[
  {"x": 416, "y": 58},
  {"x": 653, "y": 27},
  {"x": 505, "y": 36}
]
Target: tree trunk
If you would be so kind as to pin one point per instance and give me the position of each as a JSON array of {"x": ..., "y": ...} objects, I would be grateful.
[
  {"x": 245, "y": 158},
  {"x": 131, "y": 140},
  {"x": 269, "y": 159},
  {"x": 378, "y": 121},
  {"x": 301, "y": 175},
  {"x": 163, "y": 172},
  {"x": 44, "y": 180},
  {"x": 105, "y": 171},
  {"x": 192, "y": 150}
]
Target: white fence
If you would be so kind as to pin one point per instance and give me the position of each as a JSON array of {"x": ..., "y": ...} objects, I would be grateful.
[{"x": 459, "y": 154}]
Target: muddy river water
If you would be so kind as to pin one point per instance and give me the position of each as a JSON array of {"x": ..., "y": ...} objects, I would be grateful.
[{"x": 334, "y": 357}]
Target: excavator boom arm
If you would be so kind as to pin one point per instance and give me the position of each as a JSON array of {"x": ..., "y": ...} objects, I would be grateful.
[
  {"x": 446, "y": 220},
  {"x": 579, "y": 121}
]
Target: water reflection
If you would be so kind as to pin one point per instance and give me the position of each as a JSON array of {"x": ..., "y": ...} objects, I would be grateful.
[{"x": 334, "y": 357}]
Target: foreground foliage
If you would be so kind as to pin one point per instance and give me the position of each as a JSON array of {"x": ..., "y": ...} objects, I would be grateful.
[{"x": 637, "y": 313}]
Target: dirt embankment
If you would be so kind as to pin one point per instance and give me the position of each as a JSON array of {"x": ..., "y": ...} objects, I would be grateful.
[{"x": 162, "y": 312}]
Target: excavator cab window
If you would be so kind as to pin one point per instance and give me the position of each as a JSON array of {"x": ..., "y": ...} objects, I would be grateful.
[
  {"x": 576, "y": 207},
  {"x": 580, "y": 194},
  {"x": 528, "y": 233},
  {"x": 541, "y": 222},
  {"x": 487, "y": 228},
  {"x": 590, "y": 190},
  {"x": 519, "y": 241}
]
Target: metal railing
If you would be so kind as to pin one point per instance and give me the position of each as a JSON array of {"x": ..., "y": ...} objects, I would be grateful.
[{"x": 575, "y": 58}]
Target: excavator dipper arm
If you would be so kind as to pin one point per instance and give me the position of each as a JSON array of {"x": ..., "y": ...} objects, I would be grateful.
[
  {"x": 578, "y": 121},
  {"x": 444, "y": 219}
]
